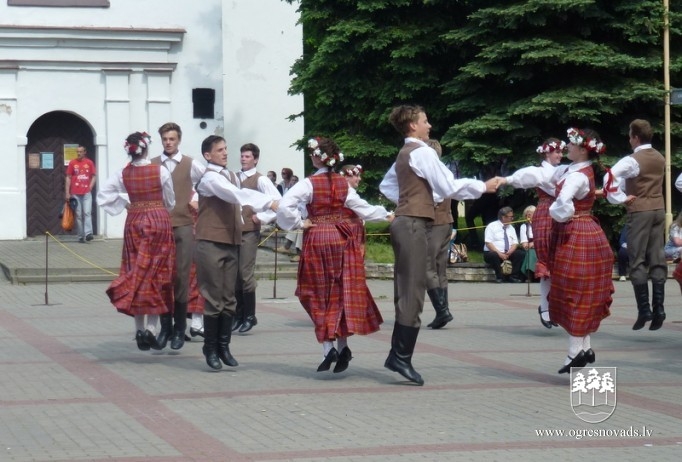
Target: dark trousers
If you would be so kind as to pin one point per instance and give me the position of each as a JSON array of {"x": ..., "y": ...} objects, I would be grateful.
[
  {"x": 495, "y": 261},
  {"x": 623, "y": 261},
  {"x": 408, "y": 239}
]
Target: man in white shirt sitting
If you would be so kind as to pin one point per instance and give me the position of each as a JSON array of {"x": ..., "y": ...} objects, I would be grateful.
[{"x": 501, "y": 243}]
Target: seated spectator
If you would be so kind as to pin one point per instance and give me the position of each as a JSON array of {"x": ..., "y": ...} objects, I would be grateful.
[
  {"x": 501, "y": 243},
  {"x": 623, "y": 259},
  {"x": 673, "y": 248}
]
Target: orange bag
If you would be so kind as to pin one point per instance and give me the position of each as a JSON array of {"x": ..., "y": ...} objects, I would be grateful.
[{"x": 68, "y": 217}]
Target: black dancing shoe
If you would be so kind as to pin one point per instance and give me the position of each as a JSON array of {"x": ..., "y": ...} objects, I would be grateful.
[
  {"x": 578, "y": 361},
  {"x": 590, "y": 357},
  {"x": 547, "y": 324},
  {"x": 331, "y": 357},
  {"x": 344, "y": 358},
  {"x": 141, "y": 342}
]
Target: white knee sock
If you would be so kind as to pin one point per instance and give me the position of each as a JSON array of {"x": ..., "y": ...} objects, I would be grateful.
[
  {"x": 327, "y": 345},
  {"x": 575, "y": 346},
  {"x": 139, "y": 322},
  {"x": 586, "y": 343},
  {"x": 152, "y": 323},
  {"x": 197, "y": 321},
  {"x": 342, "y": 342},
  {"x": 544, "y": 302}
]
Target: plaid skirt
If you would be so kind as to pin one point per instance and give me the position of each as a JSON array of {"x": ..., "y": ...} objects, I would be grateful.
[
  {"x": 195, "y": 302},
  {"x": 542, "y": 233},
  {"x": 331, "y": 283},
  {"x": 145, "y": 281},
  {"x": 581, "y": 265}
]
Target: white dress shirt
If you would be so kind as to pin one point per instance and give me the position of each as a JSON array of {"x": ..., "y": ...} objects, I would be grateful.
[
  {"x": 426, "y": 164},
  {"x": 265, "y": 186},
  {"x": 625, "y": 168},
  {"x": 196, "y": 171},
  {"x": 494, "y": 233},
  {"x": 535, "y": 177},
  {"x": 220, "y": 186}
]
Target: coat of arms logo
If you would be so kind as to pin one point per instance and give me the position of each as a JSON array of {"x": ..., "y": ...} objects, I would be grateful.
[{"x": 593, "y": 396}]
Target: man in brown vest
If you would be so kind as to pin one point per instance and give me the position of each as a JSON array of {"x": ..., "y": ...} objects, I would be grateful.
[
  {"x": 416, "y": 181},
  {"x": 185, "y": 171},
  {"x": 245, "y": 317},
  {"x": 219, "y": 237},
  {"x": 642, "y": 194}
]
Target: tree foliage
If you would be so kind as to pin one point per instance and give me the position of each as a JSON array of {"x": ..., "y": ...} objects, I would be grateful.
[{"x": 496, "y": 77}]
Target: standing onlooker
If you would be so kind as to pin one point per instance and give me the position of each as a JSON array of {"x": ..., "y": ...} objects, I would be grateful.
[
  {"x": 245, "y": 317},
  {"x": 541, "y": 178},
  {"x": 285, "y": 184},
  {"x": 219, "y": 237},
  {"x": 673, "y": 248},
  {"x": 438, "y": 236},
  {"x": 185, "y": 171},
  {"x": 579, "y": 299},
  {"x": 144, "y": 286},
  {"x": 501, "y": 244},
  {"x": 642, "y": 194},
  {"x": 272, "y": 176},
  {"x": 622, "y": 254},
  {"x": 80, "y": 179},
  {"x": 411, "y": 182},
  {"x": 331, "y": 286}
]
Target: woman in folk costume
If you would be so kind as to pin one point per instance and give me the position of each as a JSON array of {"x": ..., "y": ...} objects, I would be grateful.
[
  {"x": 331, "y": 274},
  {"x": 144, "y": 287},
  {"x": 551, "y": 152},
  {"x": 581, "y": 259}
]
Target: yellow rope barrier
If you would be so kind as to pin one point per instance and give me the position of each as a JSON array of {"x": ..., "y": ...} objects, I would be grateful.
[
  {"x": 377, "y": 234},
  {"x": 80, "y": 257}
]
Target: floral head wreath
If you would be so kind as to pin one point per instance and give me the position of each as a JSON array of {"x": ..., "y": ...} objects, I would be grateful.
[
  {"x": 552, "y": 146},
  {"x": 355, "y": 171},
  {"x": 579, "y": 138},
  {"x": 140, "y": 146},
  {"x": 327, "y": 159}
]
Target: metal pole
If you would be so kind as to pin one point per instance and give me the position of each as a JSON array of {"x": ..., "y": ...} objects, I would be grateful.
[
  {"x": 274, "y": 283},
  {"x": 666, "y": 85},
  {"x": 46, "y": 245}
]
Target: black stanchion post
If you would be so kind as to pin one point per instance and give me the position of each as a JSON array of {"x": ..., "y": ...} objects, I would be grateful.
[
  {"x": 46, "y": 266},
  {"x": 274, "y": 283}
]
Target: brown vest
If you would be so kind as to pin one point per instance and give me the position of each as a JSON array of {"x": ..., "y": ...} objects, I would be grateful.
[
  {"x": 415, "y": 198},
  {"x": 443, "y": 213},
  {"x": 219, "y": 221},
  {"x": 648, "y": 185},
  {"x": 182, "y": 186},
  {"x": 247, "y": 211}
]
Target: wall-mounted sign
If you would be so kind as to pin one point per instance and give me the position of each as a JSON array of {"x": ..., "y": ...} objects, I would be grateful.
[
  {"x": 34, "y": 160},
  {"x": 70, "y": 153},
  {"x": 47, "y": 160}
]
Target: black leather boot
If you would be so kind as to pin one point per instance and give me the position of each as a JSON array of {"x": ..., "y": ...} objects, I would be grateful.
[
  {"x": 657, "y": 297},
  {"x": 238, "y": 318},
  {"x": 166, "y": 322},
  {"x": 249, "y": 312},
  {"x": 643, "y": 307},
  {"x": 400, "y": 358},
  {"x": 210, "y": 349},
  {"x": 180, "y": 320},
  {"x": 224, "y": 337},
  {"x": 439, "y": 299}
]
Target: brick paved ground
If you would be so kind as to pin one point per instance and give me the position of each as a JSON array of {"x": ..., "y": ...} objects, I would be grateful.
[{"x": 73, "y": 386}]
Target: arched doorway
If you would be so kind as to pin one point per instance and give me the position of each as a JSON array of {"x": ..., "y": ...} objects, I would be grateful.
[{"x": 45, "y": 169}]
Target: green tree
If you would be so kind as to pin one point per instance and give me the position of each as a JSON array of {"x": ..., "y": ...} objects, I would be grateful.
[{"x": 496, "y": 76}]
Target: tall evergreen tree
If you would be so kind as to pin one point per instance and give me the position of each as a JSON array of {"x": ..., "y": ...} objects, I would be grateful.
[{"x": 495, "y": 76}]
